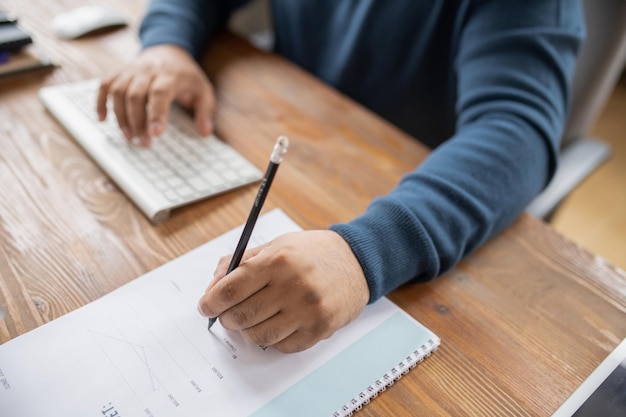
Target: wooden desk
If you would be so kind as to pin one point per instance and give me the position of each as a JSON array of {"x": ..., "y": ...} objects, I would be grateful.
[{"x": 523, "y": 320}]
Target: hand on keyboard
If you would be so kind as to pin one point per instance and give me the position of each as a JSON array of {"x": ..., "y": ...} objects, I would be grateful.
[
  {"x": 180, "y": 167},
  {"x": 143, "y": 92}
]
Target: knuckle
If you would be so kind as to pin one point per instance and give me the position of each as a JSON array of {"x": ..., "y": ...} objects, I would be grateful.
[
  {"x": 239, "y": 317},
  {"x": 321, "y": 326},
  {"x": 227, "y": 292},
  {"x": 264, "y": 337},
  {"x": 117, "y": 90},
  {"x": 280, "y": 259},
  {"x": 312, "y": 297},
  {"x": 292, "y": 347},
  {"x": 269, "y": 336},
  {"x": 135, "y": 97},
  {"x": 159, "y": 91}
]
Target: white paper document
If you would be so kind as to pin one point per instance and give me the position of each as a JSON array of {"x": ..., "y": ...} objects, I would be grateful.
[{"x": 144, "y": 350}]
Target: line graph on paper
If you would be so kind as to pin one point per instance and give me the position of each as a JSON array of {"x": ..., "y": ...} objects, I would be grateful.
[
  {"x": 158, "y": 360},
  {"x": 154, "y": 348},
  {"x": 111, "y": 345}
]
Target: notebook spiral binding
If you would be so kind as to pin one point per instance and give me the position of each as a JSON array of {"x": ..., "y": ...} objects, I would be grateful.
[{"x": 388, "y": 379}]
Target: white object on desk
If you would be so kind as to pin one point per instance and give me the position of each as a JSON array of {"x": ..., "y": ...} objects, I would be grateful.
[
  {"x": 84, "y": 20},
  {"x": 179, "y": 168}
]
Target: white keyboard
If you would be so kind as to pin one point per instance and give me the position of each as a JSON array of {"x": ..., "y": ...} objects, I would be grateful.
[{"x": 179, "y": 168}]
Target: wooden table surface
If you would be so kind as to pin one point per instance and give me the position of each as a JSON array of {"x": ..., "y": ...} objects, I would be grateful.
[{"x": 523, "y": 320}]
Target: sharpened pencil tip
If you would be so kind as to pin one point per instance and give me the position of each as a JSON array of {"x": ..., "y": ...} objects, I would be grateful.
[{"x": 212, "y": 321}]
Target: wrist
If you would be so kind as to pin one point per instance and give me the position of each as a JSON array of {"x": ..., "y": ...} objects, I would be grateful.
[{"x": 354, "y": 270}]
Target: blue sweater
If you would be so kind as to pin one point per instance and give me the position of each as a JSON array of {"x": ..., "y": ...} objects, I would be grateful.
[{"x": 485, "y": 83}]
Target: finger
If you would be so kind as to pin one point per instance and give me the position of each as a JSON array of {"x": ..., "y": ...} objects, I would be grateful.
[
  {"x": 101, "y": 101},
  {"x": 118, "y": 92},
  {"x": 271, "y": 331},
  {"x": 251, "y": 312},
  {"x": 296, "y": 342},
  {"x": 220, "y": 270},
  {"x": 231, "y": 290},
  {"x": 204, "y": 108},
  {"x": 160, "y": 100},
  {"x": 136, "y": 99},
  {"x": 224, "y": 263}
]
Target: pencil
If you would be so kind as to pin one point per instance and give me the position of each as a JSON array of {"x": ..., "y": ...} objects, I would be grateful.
[{"x": 278, "y": 153}]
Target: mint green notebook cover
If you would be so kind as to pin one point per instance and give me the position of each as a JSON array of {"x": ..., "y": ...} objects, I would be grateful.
[{"x": 341, "y": 379}]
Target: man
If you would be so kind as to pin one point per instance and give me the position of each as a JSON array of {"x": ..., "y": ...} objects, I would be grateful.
[{"x": 484, "y": 82}]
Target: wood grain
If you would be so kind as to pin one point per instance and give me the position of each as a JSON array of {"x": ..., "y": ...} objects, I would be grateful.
[{"x": 523, "y": 320}]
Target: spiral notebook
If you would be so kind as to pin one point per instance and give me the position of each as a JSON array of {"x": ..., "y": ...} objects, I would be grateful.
[{"x": 143, "y": 350}]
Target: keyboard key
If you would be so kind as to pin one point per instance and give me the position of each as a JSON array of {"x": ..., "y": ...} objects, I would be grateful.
[{"x": 184, "y": 191}]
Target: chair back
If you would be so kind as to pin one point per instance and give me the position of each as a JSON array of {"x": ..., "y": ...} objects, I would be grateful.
[{"x": 599, "y": 66}]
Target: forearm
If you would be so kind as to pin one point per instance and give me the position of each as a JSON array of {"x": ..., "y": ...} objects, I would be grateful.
[
  {"x": 513, "y": 91},
  {"x": 467, "y": 190},
  {"x": 188, "y": 24}
]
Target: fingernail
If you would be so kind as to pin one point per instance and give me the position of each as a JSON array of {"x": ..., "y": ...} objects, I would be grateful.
[
  {"x": 156, "y": 128},
  {"x": 127, "y": 134}
]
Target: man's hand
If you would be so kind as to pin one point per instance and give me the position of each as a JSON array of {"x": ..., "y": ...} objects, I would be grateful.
[
  {"x": 143, "y": 92},
  {"x": 289, "y": 293}
]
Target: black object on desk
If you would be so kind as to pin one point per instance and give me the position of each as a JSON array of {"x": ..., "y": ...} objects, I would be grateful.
[{"x": 12, "y": 37}]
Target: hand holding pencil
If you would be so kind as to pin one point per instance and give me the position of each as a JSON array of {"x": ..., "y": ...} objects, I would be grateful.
[
  {"x": 289, "y": 293},
  {"x": 278, "y": 153}
]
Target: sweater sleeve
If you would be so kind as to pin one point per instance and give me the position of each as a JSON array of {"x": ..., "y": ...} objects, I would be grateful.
[
  {"x": 514, "y": 63},
  {"x": 185, "y": 23}
]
